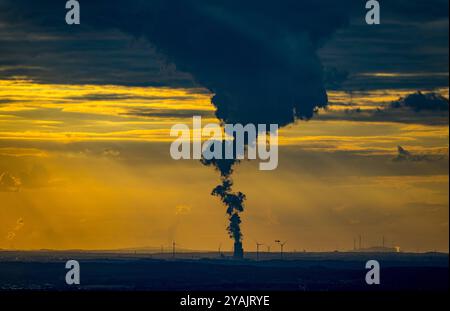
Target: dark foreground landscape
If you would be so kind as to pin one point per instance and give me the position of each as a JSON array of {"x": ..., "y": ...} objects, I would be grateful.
[{"x": 200, "y": 272}]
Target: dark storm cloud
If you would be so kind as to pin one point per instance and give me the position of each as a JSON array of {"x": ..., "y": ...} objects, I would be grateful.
[
  {"x": 416, "y": 10},
  {"x": 427, "y": 108},
  {"x": 413, "y": 80},
  {"x": 57, "y": 53},
  {"x": 256, "y": 57},
  {"x": 259, "y": 59},
  {"x": 387, "y": 115},
  {"x": 417, "y": 29},
  {"x": 417, "y": 108},
  {"x": 267, "y": 50},
  {"x": 412, "y": 38},
  {"x": 422, "y": 102},
  {"x": 334, "y": 77}
]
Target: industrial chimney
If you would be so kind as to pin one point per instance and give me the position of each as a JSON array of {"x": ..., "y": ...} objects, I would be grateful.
[{"x": 238, "y": 250}]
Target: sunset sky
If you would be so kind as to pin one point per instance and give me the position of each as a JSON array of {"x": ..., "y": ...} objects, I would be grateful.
[{"x": 86, "y": 112}]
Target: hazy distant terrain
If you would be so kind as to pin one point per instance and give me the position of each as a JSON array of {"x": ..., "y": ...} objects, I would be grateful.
[{"x": 206, "y": 271}]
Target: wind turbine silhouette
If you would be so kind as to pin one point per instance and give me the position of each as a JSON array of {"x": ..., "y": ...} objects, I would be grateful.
[
  {"x": 282, "y": 244},
  {"x": 257, "y": 249}
]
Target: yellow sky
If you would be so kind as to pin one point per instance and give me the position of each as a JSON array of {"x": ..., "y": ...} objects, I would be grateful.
[{"x": 89, "y": 167}]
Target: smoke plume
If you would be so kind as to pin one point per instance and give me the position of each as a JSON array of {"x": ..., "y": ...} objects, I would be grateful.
[
  {"x": 257, "y": 57},
  {"x": 234, "y": 202}
]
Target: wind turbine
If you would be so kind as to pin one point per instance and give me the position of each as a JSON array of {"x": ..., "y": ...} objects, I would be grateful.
[
  {"x": 282, "y": 244},
  {"x": 257, "y": 249}
]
